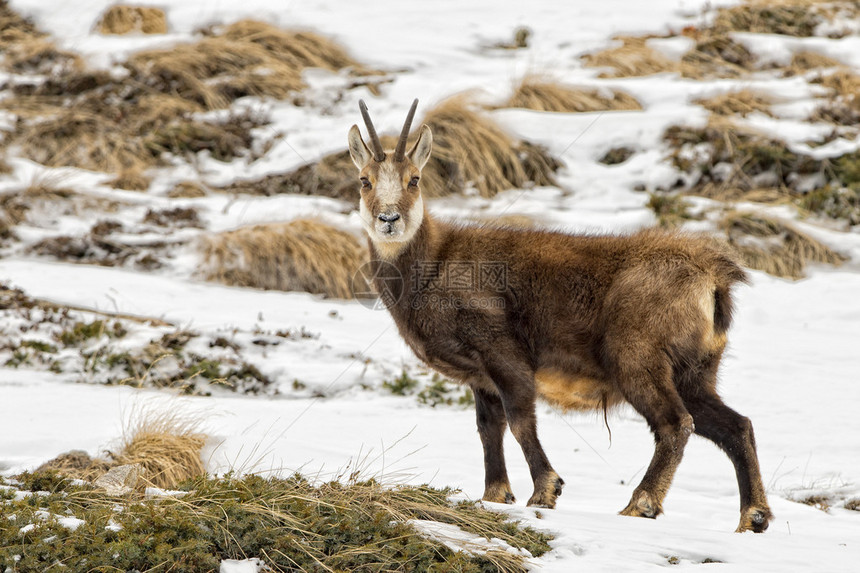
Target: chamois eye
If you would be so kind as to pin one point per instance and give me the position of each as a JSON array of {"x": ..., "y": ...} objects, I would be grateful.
[
  {"x": 413, "y": 182},
  {"x": 365, "y": 183}
]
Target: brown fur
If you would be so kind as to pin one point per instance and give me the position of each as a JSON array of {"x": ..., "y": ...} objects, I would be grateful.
[{"x": 583, "y": 321}]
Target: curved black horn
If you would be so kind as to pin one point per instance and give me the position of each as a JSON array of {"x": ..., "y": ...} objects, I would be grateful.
[
  {"x": 375, "y": 144},
  {"x": 400, "y": 150}
]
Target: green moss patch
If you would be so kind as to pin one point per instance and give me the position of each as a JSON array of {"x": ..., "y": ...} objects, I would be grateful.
[{"x": 289, "y": 524}]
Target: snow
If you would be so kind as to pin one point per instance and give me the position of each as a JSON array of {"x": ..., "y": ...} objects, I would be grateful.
[{"x": 792, "y": 364}]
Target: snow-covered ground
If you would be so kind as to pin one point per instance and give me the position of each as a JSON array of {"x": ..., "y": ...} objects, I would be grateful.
[{"x": 793, "y": 359}]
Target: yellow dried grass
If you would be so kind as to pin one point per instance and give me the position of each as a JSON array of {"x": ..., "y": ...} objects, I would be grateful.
[
  {"x": 245, "y": 58},
  {"x": 633, "y": 58},
  {"x": 741, "y": 102},
  {"x": 775, "y": 246},
  {"x": 123, "y": 19},
  {"x": 166, "y": 444},
  {"x": 25, "y": 48},
  {"x": 470, "y": 148},
  {"x": 302, "y": 255},
  {"x": 543, "y": 94},
  {"x": 806, "y": 61}
]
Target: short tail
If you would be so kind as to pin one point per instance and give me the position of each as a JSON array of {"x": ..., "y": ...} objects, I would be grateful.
[{"x": 728, "y": 272}]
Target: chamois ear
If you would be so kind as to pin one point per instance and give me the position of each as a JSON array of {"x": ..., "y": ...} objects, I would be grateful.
[
  {"x": 420, "y": 152},
  {"x": 358, "y": 151}
]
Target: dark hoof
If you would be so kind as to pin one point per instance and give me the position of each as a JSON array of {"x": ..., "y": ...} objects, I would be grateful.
[
  {"x": 641, "y": 505},
  {"x": 499, "y": 493},
  {"x": 755, "y": 519},
  {"x": 546, "y": 494}
]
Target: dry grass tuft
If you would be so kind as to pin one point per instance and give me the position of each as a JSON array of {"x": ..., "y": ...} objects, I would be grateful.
[
  {"x": 167, "y": 444},
  {"x": 469, "y": 148},
  {"x": 728, "y": 161},
  {"x": 77, "y": 464},
  {"x": 716, "y": 55},
  {"x": 774, "y": 246},
  {"x": 797, "y": 18},
  {"x": 94, "y": 121},
  {"x": 26, "y": 49},
  {"x": 842, "y": 82},
  {"x": 187, "y": 189},
  {"x": 302, "y": 255},
  {"x": 332, "y": 176},
  {"x": 742, "y": 103},
  {"x": 671, "y": 210},
  {"x": 806, "y": 61},
  {"x": 843, "y": 105},
  {"x": 131, "y": 180},
  {"x": 42, "y": 196},
  {"x": 633, "y": 58},
  {"x": 244, "y": 58},
  {"x": 122, "y": 19},
  {"x": 542, "y": 94}
]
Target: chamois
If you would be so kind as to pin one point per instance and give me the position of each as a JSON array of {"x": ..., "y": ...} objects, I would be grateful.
[{"x": 584, "y": 322}]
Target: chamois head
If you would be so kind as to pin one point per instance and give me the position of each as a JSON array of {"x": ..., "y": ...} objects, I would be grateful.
[{"x": 391, "y": 206}]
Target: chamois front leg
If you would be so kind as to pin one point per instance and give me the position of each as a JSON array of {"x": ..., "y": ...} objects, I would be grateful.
[
  {"x": 518, "y": 394},
  {"x": 491, "y": 427}
]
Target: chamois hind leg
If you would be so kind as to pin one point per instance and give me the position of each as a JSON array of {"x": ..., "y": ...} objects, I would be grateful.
[
  {"x": 490, "y": 414},
  {"x": 647, "y": 385},
  {"x": 733, "y": 433},
  {"x": 516, "y": 386}
]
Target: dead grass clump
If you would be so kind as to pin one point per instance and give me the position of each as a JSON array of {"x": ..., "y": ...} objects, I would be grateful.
[
  {"x": 469, "y": 148},
  {"x": 742, "y": 103},
  {"x": 671, "y": 210},
  {"x": 797, "y": 18},
  {"x": 726, "y": 161},
  {"x": 519, "y": 41},
  {"x": 84, "y": 249},
  {"x": 39, "y": 196},
  {"x": 806, "y": 61},
  {"x": 841, "y": 203},
  {"x": 842, "y": 82},
  {"x": 716, "y": 55},
  {"x": 853, "y": 504},
  {"x": 93, "y": 121},
  {"x": 122, "y": 19},
  {"x": 166, "y": 444},
  {"x": 224, "y": 140},
  {"x": 187, "y": 189},
  {"x": 633, "y": 58},
  {"x": 774, "y": 246},
  {"x": 242, "y": 59},
  {"x": 843, "y": 105},
  {"x": 131, "y": 180},
  {"x": 332, "y": 176},
  {"x": 617, "y": 155},
  {"x": 127, "y": 140},
  {"x": 302, "y": 255},
  {"x": 545, "y": 95},
  {"x": 180, "y": 217},
  {"x": 26, "y": 49},
  {"x": 76, "y": 464}
]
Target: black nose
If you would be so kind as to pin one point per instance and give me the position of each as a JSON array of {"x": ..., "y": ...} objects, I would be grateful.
[{"x": 388, "y": 217}]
